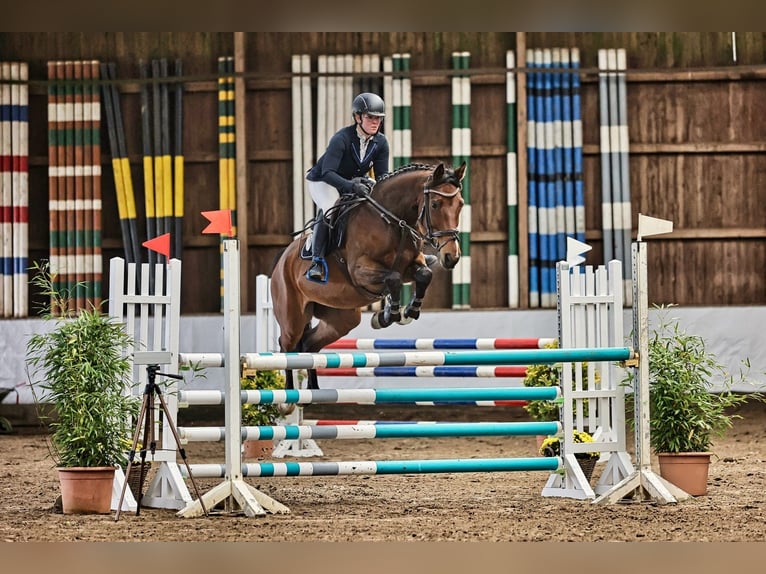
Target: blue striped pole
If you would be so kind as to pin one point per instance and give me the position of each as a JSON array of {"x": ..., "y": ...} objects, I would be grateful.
[
  {"x": 567, "y": 143},
  {"x": 274, "y": 469},
  {"x": 577, "y": 145},
  {"x": 462, "y": 372},
  {"x": 558, "y": 157},
  {"x": 532, "y": 201},
  {"x": 353, "y": 432},
  {"x": 472, "y": 343}
]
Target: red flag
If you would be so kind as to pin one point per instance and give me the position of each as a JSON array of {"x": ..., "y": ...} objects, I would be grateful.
[
  {"x": 160, "y": 244},
  {"x": 220, "y": 222}
]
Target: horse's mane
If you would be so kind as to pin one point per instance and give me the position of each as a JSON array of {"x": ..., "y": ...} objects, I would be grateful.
[
  {"x": 407, "y": 168},
  {"x": 449, "y": 173}
]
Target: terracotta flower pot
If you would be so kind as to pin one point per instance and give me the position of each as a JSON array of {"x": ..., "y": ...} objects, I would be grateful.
[
  {"x": 258, "y": 449},
  {"x": 86, "y": 490},
  {"x": 687, "y": 470}
]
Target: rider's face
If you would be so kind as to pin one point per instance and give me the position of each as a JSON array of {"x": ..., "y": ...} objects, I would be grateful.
[{"x": 371, "y": 124}]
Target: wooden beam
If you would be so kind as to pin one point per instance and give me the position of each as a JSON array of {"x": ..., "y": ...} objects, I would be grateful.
[{"x": 241, "y": 163}]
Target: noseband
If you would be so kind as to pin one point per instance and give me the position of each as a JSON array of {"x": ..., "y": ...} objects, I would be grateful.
[{"x": 432, "y": 236}]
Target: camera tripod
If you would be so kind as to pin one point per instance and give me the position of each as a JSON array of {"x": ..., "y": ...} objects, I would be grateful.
[{"x": 146, "y": 417}]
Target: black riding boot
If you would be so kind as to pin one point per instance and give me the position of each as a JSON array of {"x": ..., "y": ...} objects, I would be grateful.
[{"x": 319, "y": 239}]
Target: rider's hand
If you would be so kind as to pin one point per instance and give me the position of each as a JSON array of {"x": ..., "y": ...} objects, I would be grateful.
[{"x": 361, "y": 186}]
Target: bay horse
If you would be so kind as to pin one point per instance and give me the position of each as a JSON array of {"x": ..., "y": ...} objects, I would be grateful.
[{"x": 379, "y": 249}]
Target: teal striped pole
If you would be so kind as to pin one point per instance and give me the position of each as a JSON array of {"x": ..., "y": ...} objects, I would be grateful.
[
  {"x": 274, "y": 469},
  {"x": 428, "y": 358},
  {"x": 354, "y": 432}
]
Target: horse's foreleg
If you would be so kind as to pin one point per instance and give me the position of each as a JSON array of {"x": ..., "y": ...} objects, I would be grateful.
[
  {"x": 391, "y": 312},
  {"x": 423, "y": 277},
  {"x": 313, "y": 379}
]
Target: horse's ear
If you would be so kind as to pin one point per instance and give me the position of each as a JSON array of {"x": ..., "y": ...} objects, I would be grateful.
[
  {"x": 438, "y": 174},
  {"x": 460, "y": 172}
]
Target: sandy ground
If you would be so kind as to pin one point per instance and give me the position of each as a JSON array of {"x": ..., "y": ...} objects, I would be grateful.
[{"x": 453, "y": 507}]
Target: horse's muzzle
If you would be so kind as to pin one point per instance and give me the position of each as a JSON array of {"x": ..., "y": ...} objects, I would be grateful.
[{"x": 448, "y": 260}]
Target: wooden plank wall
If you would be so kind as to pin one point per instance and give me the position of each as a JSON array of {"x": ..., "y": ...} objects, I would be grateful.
[{"x": 696, "y": 125}]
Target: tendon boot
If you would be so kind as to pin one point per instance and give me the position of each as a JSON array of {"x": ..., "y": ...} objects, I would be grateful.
[{"x": 319, "y": 239}]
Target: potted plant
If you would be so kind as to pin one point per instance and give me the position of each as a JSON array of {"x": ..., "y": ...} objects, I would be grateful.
[
  {"x": 685, "y": 411},
  {"x": 82, "y": 369},
  {"x": 260, "y": 415},
  {"x": 551, "y": 446}
]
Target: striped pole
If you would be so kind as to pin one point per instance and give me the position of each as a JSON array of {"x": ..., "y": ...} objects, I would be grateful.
[
  {"x": 6, "y": 183},
  {"x": 226, "y": 147},
  {"x": 567, "y": 143},
  {"x": 624, "y": 153},
  {"x": 178, "y": 162},
  {"x": 69, "y": 181},
  {"x": 146, "y": 140},
  {"x": 159, "y": 196},
  {"x": 461, "y": 151},
  {"x": 614, "y": 157},
  {"x": 577, "y": 145},
  {"x": 448, "y": 371},
  {"x": 129, "y": 196},
  {"x": 383, "y": 431},
  {"x": 419, "y": 396},
  {"x": 165, "y": 158},
  {"x": 549, "y": 268},
  {"x": 79, "y": 188},
  {"x": 427, "y": 344},
  {"x": 512, "y": 177},
  {"x": 605, "y": 147},
  {"x": 532, "y": 184},
  {"x": 269, "y": 469},
  {"x": 119, "y": 183},
  {"x": 558, "y": 158},
  {"x": 415, "y": 358},
  {"x": 53, "y": 179},
  {"x": 299, "y": 168}
]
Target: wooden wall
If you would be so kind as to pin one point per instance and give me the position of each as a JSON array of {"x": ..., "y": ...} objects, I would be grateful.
[{"x": 696, "y": 125}]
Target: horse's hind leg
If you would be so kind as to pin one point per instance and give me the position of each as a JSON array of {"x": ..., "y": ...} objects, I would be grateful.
[
  {"x": 391, "y": 312},
  {"x": 423, "y": 278}
]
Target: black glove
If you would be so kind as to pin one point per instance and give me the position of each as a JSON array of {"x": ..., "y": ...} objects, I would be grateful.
[{"x": 361, "y": 186}]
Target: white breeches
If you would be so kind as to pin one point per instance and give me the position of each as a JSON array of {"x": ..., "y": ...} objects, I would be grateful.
[{"x": 323, "y": 194}]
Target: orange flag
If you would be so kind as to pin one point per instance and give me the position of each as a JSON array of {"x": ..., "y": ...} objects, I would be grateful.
[
  {"x": 160, "y": 244},
  {"x": 220, "y": 222}
]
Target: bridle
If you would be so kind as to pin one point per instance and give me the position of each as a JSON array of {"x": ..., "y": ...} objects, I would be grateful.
[{"x": 432, "y": 237}]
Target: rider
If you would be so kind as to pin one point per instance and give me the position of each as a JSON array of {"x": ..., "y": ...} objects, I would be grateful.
[{"x": 352, "y": 153}]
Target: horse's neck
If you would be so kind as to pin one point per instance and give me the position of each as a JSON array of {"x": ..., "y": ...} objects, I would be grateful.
[{"x": 401, "y": 199}]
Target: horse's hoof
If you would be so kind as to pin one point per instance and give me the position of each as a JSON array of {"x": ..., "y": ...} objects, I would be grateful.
[
  {"x": 286, "y": 409},
  {"x": 411, "y": 314},
  {"x": 405, "y": 321},
  {"x": 375, "y": 321}
]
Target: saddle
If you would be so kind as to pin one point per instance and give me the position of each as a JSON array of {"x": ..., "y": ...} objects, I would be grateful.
[{"x": 338, "y": 217}]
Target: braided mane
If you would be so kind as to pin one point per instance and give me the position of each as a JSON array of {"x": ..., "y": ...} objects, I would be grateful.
[{"x": 406, "y": 168}]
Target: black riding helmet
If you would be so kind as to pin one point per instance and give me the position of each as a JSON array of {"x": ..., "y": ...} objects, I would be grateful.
[{"x": 369, "y": 103}]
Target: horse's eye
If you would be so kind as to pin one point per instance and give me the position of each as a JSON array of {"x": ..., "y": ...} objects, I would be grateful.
[{"x": 434, "y": 205}]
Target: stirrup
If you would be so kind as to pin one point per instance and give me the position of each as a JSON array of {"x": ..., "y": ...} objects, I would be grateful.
[{"x": 315, "y": 274}]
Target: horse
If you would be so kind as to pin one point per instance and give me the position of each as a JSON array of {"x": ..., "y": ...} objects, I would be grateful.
[{"x": 376, "y": 245}]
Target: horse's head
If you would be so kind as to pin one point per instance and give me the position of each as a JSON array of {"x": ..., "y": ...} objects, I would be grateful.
[{"x": 440, "y": 215}]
